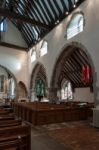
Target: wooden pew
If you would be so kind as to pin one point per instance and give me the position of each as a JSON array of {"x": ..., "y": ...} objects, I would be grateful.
[
  {"x": 14, "y": 143},
  {"x": 44, "y": 113},
  {"x": 3, "y": 112},
  {"x": 15, "y": 136},
  {"x": 10, "y": 123},
  {"x": 6, "y": 118}
]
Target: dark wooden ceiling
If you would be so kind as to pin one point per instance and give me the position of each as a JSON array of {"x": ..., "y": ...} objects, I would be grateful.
[
  {"x": 72, "y": 69},
  {"x": 36, "y": 18},
  {"x": 73, "y": 65}
]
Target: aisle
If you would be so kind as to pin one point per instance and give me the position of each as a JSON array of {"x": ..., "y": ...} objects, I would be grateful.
[{"x": 41, "y": 141}]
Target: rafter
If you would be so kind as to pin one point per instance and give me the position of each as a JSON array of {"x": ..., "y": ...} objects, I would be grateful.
[
  {"x": 43, "y": 11},
  {"x": 21, "y": 18},
  {"x": 48, "y": 11},
  {"x": 53, "y": 10},
  {"x": 36, "y": 16},
  {"x": 13, "y": 46}
]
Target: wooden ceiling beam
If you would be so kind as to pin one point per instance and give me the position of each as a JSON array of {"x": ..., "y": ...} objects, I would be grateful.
[
  {"x": 21, "y": 18},
  {"x": 13, "y": 46},
  {"x": 53, "y": 10},
  {"x": 58, "y": 7},
  {"x": 48, "y": 12},
  {"x": 69, "y": 78}
]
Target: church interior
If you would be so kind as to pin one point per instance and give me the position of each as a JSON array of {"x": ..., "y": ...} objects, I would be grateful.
[{"x": 49, "y": 75}]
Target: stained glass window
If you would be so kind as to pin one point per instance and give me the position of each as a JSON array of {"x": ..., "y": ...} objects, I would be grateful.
[
  {"x": 66, "y": 91},
  {"x": 12, "y": 89},
  {"x": 40, "y": 88},
  {"x": 2, "y": 79}
]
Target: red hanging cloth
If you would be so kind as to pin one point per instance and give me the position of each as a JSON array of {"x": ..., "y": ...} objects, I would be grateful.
[
  {"x": 83, "y": 73},
  {"x": 86, "y": 74}
]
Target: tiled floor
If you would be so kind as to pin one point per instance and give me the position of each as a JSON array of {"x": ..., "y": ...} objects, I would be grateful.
[
  {"x": 65, "y": 136},
  {"x": 78, "y": 136},
  {"x": 40, "y": 140}
]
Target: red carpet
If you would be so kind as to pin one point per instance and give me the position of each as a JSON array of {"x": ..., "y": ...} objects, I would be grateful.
[{"x": 77, "y": 136}]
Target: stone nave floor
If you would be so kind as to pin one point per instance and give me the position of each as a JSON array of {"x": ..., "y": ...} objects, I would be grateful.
[{"x": 65, "y": 136}]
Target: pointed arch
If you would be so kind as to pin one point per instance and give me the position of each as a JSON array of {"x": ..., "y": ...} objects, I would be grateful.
[
  {"x": 69, "y": 66},
  {"x": 9, "y": 90},
  {"x": 38, "y": 76},
  {"x": 21, "y": 90}
]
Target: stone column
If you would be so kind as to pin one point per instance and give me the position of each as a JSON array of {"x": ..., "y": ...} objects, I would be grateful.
[{"x": 52, "y": 95}]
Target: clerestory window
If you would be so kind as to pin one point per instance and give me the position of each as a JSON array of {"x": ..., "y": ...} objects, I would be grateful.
[
  {"x": 44, "y": 48},
  {"x": 75, "y": 26},
  {"x": 33, "y": 54}
]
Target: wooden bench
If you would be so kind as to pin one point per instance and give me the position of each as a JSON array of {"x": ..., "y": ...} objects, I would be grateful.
[
  {"x": 44, "y": 113},
  {"x": 14, "y": 135},
  {"x": 17, "y": 137},
  {"x": 6, "y": 118},
  {"x": 14, "y": 143},
  {"x": 10, "y": 123}
]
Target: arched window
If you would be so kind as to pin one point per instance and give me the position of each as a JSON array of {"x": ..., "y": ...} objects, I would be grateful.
[
  {"x": 3, "y": 25},
  {"x": 44, "y": 48},
  {"x": 40, "y": 88},
  {"x": 75, "y": 26},
  {"x": 66, "y": 91},
  {"x": 2, "y": 83},
  {"x": 11, "y": 89},
  {"x": 33, "y": 54}
]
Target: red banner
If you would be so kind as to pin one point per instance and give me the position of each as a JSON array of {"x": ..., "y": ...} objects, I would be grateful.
[{"x": 86, "y": 74}]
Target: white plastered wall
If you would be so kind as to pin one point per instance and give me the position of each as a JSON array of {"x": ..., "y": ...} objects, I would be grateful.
[
  {"x": 89, "y": 38},
  {"x": 12, "y": 35},
  {"x": 16, "y": 61},
  {"x": 83, "y": 95}
]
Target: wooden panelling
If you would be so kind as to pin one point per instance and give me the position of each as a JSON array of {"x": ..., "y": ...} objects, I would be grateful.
[{"x": 45, "y": 113}]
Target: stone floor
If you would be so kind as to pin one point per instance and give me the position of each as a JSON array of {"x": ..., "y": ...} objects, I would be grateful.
[
  {"x": 40, "y": 140},
  {"x": 77, "y": 136},
  {"x": 65, "y": 136}
]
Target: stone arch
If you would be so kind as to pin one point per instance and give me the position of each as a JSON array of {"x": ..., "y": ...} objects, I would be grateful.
[
  {"x": 9, "y": 72},
  {"x": 66, "y": 52},
  {"x": 10, "y": 76},
  {"x": 38, "y": 72},
  {"x": 21, "y": 90}
]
